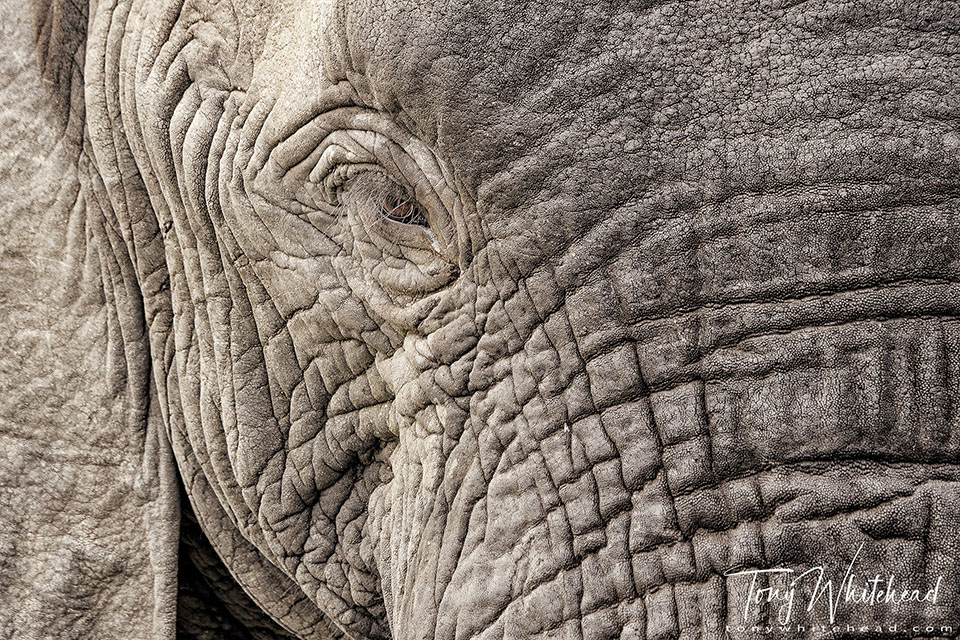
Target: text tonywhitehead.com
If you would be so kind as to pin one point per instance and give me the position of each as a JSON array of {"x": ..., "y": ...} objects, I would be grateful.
[{"x": 944, "y": 630}]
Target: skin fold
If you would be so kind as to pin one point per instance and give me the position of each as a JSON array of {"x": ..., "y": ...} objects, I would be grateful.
[{"x": 472, "y": 320}]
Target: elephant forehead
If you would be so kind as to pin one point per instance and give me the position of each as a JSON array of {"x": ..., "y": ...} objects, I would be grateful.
[
  {"x": 630, "y": 114},
  {"x": 590, "y": 106}
]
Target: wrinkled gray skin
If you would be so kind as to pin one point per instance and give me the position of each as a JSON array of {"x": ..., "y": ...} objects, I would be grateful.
[{"x": 680, "y": 294}]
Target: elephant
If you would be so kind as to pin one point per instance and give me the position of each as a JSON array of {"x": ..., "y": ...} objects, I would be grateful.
[{"x": 480, "y": 320}]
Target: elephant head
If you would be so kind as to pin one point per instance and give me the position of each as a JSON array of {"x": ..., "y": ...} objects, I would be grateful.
[{"x": 478, "y": 320}]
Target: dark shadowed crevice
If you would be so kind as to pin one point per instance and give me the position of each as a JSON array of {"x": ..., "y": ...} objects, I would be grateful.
[{"x": 210, "y": 604}]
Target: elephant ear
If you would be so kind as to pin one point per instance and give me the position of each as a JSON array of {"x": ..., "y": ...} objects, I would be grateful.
[{"x": 89, "y": 511}]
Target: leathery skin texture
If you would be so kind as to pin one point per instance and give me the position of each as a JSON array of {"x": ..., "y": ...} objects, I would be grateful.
[{"x": 472, "y": 320}]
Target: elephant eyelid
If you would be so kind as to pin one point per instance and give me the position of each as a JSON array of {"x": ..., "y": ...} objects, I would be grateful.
[
  {"x": 335, "y": 182},
  {"x": 395, "y": 207},
  {"x": 372, "y": 190}
]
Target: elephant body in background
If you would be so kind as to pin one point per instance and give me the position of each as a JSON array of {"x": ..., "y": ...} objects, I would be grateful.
[{"x": 473, "y": 320}]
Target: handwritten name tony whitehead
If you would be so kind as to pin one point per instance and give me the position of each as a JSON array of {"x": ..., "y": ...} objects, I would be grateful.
[{"x": 871, "y": 592}]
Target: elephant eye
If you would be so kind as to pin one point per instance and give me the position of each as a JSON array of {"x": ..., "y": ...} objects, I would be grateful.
[
  {"x": 402, "y": 210},
  {"x": 390, "y": 217},
  {"x": 387, "y": 214}
]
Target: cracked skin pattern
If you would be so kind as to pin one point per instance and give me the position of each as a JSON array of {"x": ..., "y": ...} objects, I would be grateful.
[{"x": 475, "y": 321}]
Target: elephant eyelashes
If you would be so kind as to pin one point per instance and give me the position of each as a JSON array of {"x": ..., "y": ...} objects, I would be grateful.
[
  {"x": 372, "y": 191},
  {"x": 403, "y": 211}
]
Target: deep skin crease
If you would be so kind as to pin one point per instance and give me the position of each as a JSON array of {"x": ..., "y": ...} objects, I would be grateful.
[{"x": 476, "y": 320}]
